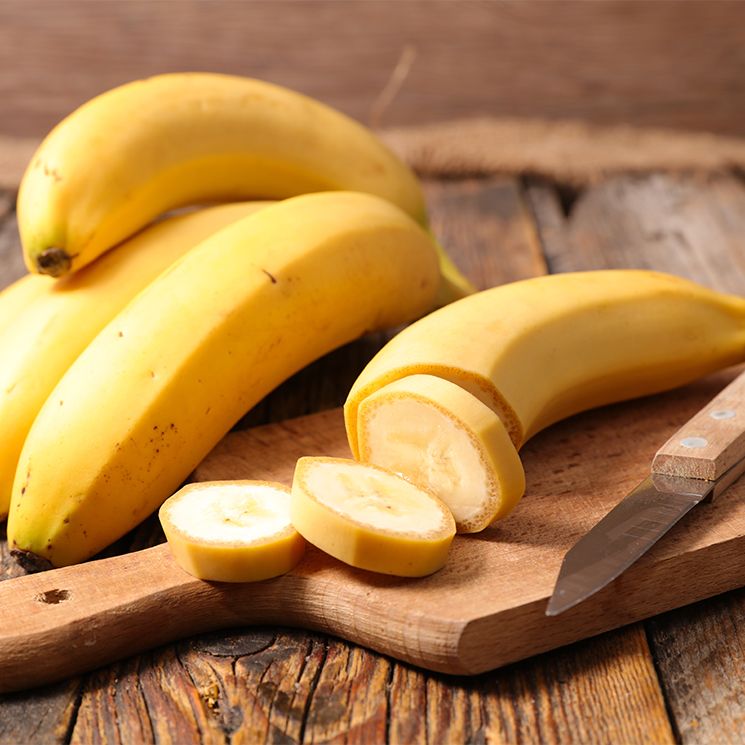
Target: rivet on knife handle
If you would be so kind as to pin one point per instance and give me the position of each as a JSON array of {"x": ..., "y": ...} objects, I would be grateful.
[{"x": 711, "y": 442}]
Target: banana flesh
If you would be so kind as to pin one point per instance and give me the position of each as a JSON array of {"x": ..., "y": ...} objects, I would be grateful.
[
  {"x": 438, "y": 435},
  {"x": 232, "y": 531},
  {"x": 370, "y": 518},
  {"x": 61, "y": 318},
  {"x": 537, "y": 351},
  {"x": 167, "y": 378}
]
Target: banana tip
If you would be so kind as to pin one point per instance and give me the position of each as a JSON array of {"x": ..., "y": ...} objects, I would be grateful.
[
  {"x": 53, "y": 261},
  {"x": 30, "y": 561}
]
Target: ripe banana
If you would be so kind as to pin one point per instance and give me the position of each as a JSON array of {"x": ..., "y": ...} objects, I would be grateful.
[
  {"x": 139, "y": 150},
  {"x": 168, "y": 376},
  {"x": 15, "y": 298},
  {"x": 370, "y": 518},
  {"x": 53, "y": 328},
  {"x": 232, "y": 531},
  {"x": 535, "y": 352}
]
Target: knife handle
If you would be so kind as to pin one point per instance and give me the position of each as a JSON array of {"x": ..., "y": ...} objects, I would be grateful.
[{"x": 711, "y": 442}]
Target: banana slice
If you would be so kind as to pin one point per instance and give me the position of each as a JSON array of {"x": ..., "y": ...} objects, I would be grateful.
[
  {"x": 443, "y": 438},
  {"x": 370, "y": 518},
  {"x": 232, "y": 531}
]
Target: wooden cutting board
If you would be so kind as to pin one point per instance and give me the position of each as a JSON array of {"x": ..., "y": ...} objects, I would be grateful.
[{"x": 483, "y": 610}]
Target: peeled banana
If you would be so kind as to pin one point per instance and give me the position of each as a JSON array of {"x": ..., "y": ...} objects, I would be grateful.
[
  {"x": 440, "y": 435},
  {"x": 60, "y": 318},
  {"x": 370, "y": 518},
  {"x": 167, "y": 377},
  {"x": 232, "y": 531},
  {"x": 139, "y": 150},
  {"x": 535, "y": 352}
]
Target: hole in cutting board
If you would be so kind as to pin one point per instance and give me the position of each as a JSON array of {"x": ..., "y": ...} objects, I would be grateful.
[{"x": 52, "y": 597}]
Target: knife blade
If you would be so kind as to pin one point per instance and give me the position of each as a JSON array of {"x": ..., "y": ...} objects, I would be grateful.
[{"x": 698, "y": 463}]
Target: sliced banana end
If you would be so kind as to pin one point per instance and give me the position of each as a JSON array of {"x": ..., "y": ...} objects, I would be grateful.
[
  {"x": 369, "y": 518},
  {"x": 443, "y": 438},
  {"x": 232, "y": 531}
]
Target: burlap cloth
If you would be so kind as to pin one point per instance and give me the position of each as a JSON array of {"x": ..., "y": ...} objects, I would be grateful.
[{"x": 565, "y": 151}]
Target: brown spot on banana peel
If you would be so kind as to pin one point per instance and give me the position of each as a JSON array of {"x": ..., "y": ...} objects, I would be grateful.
[
  {"x": 53, "y": 173},
  {"x": 54, "y": 261}
]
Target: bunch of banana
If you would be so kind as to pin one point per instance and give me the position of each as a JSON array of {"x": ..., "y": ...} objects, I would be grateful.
[
  {"x": 53, "y": 321},
  {"x": 169, "y": 375},
  {"x": 120, "y": 376},
  {"x": 15, "y": 298},
  {"x": 190, "y": 139},
  {"x": 450, "y": 400}
]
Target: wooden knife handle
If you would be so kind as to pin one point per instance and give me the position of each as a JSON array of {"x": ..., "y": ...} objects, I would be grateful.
[{"x": 711, "y": 442}]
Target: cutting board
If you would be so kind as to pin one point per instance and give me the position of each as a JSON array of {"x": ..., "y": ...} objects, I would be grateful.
[{"x": 483, "y": 610}]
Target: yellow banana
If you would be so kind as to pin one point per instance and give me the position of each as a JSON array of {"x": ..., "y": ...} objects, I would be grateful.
[
  {"x": 64, "y": 316},
  {"x": 15, "y": 298},
  {"x": 533, "y": 352},
  {"x": 168, "y": 376},
  {"x": 138, "y": 150}
]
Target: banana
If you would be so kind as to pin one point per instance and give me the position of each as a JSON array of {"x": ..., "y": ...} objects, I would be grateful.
[
  {"x": 167, "y": 377},
  {"x": 15, "y": 298},
  {"x": 139, "y": 150},
  {"x": 232, "y": 531},
  {"x": 537, "y": 351},
  {"x": 370, "y": 518},
  {"x": 62, "y": 317},
  {"x": 437, "y": 434}
]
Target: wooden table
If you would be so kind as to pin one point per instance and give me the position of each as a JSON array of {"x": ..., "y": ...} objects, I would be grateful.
[{"x": 677, "y": 677}]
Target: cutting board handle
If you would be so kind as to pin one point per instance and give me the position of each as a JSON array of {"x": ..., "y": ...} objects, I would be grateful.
[
  {"x": 67, "y": 621},
  {"x": 58, "y": 623},
  {"x": 711, "y": 442}
]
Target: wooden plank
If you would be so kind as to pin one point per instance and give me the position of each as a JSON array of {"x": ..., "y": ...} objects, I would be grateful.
[
  {"x": 603, "y": 690},
  {"x": 686, "y": 225},
  {"x": 654, "y": 63},
  {"x": 488, "y": 223},
  {"x": 699, "y": 652},
  {"x": 693, "y": 227},
  {"x": 40, "y": 716}
]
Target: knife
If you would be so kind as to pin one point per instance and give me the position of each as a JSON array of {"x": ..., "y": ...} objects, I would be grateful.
[{"x": 700, "y": 461}]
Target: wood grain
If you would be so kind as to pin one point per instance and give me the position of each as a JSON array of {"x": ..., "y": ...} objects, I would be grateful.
[
  {"x": 661, "y": 63},
  {"x": 699, "y": 655},
  {"x": 489, "y": 223},
  {"x": 693, "y": 227}
]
